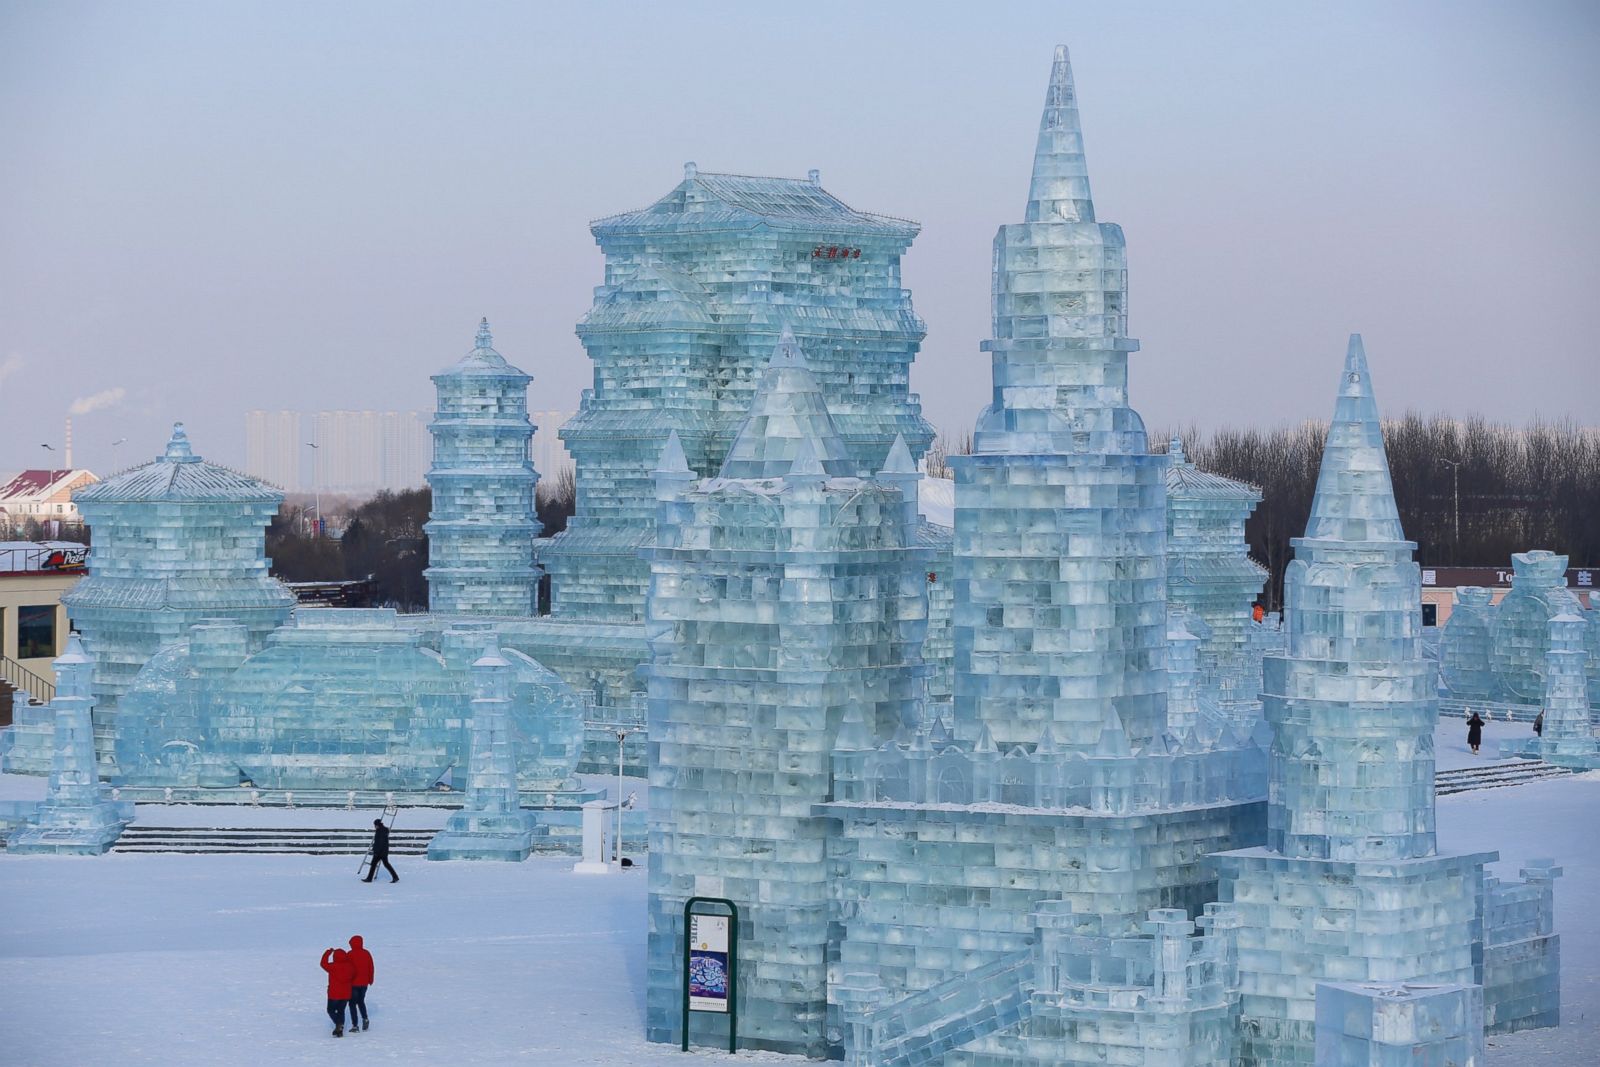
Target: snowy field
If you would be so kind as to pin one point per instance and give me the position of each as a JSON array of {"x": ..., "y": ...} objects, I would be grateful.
[{"x": 132, "y": 960}]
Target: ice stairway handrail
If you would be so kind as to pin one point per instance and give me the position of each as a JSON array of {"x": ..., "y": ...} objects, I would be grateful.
[{"x": 921, "y": 1028}]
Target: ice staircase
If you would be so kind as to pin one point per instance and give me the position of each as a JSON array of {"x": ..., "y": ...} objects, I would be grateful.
[
  {"x": 267, "y": 840},
  {"x": 923, "y": 1027},
  {"x": 1495, "y": 776}
]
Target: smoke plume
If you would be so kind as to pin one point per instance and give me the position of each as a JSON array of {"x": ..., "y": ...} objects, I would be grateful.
[{"x": 105, "y": 398}]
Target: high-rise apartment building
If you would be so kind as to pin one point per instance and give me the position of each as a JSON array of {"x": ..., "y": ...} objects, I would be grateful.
[
  {"x": 351, "y": 451},
  {"x": 272, "y": 447}
]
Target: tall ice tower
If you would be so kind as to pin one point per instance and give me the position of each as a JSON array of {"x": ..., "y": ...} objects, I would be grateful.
[
  {"x": 482, "y": 525},
  {"x": 1060, "y": 574},
  {"x": 1350, "y": 887}
]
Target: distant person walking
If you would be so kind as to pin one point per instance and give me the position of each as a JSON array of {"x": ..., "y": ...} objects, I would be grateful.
[
  {"x": 1474, "y": 732},
  {"x": 1538, "y": 725},
  {"x": 1258, "y": 613},
  {"x": 337, "y": 963},
  {"x": 360, "y": 978},
  {"x": 380, "y": 851}
]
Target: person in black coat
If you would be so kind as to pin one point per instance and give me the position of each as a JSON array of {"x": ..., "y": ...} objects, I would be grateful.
[
  {"x": 380, "y": 851},
  {"x": 1474, "y": 732}
]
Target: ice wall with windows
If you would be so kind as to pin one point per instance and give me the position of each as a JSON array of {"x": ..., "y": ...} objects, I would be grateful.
[
  {"x": 697, "y": 289},
  {"x": 786, "y": 593},
  {"x": 342, "y": 698},
  {"x": 176, "y": 541},
  {"x": 1350, "y": 886},
  {"x": 1210, "y": 574},
  {"x": 482, "y": 523}
]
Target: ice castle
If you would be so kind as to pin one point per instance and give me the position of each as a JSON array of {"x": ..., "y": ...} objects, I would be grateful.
[{"x": 1093, "y": 855}]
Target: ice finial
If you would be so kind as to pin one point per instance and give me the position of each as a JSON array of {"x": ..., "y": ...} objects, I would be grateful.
[
  {"x": 485, "y": 340},
  {"x": 672, "y": 460},
  {"x": 74, "y": 653},
  {"x": 1060, "y": 188},
  {"x": 814, "y": 177},
  {"x": 1175, "y": 452},
  {"x": 491, "y": 653},
  {"x": 986, "y": 745},
  {"x": 690, "y": 170},
  {"x": 178, "y": 450},
  {"x": 806, "y": 464},
  {"x": 899, "y": 460},
  {"x": 788, "y": 353},
  {"x": 1355, "y": 497}
]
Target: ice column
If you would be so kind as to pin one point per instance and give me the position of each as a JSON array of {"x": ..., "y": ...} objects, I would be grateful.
[
  {"x": 491, "y": 824},
  {"x": 1060, "y": 536},
  {"x": 76, "y": 817},
  {"x": 482, "y": 526},
  {"x": 786, "y": 594},
  {"x": 1466, "y": 646}
]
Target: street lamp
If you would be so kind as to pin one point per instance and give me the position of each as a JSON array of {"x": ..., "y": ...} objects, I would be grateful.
[
  {"x": 1455, "y": 479},
  {"x": 316, "y": 480},
  {"x": 622, "y": 735}
]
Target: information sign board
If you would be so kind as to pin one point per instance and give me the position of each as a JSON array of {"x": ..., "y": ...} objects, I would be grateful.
[{"x": 708, "y": 963}]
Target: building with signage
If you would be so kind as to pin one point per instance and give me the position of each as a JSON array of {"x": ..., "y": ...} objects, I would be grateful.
[
  {"x": 34, "y": 575},
  {"x": 1440, "y": 585}
]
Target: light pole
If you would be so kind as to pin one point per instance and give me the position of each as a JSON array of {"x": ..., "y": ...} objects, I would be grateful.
[
  {"x": 622, "y": 735},
  {"x": 1455, "y": 479},
  {"x": 316, "y": 480}
]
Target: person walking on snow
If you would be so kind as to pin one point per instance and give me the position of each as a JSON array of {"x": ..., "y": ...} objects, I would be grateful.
[
  {"x": 337, "y": 963},
  {"x": 360, "y": 978},
  {"x": 1474, "y": 732},
  {"x": 1538, "y": 725},
  {"x": 380, "y": 851}
]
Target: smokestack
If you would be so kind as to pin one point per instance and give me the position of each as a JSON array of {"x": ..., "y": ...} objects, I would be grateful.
[{"x": 67, "y": 452}]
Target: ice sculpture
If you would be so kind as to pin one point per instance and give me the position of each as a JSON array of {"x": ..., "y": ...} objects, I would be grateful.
[
  {"x": 1466, "y": 646},
  {"x": 1060, "y": 538},
  {"x": 176, "y": 541},
  {"x": 697, "y": 287},
  {"x": 76, "y": 818},
  {"x": 482, "y": 525},
  {"x": 1521, "y": 623},
  {"x": 1568, "y": 737},
  {"x": 1210, "y": 574},
  {"x": 1352, "y": 704},
  {"x": 491, "y": 825},
  {"x": 785, "y": 594},
  {"x": 341, "y": 699}
]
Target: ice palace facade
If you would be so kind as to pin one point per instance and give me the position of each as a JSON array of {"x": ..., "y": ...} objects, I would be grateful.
[{"x": 999, "y": 793}]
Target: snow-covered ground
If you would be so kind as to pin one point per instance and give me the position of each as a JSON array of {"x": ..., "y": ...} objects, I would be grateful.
[{"x": 139, "y": 959}]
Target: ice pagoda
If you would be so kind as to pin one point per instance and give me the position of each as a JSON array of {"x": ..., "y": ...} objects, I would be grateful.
[
  {"x": 176, "y": 541},
  {"x": 698, "y": 287},
  {"x": 482, "y": 526}
]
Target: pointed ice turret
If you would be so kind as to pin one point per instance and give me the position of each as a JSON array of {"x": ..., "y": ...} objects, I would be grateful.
[
  {"x": 673, "y": 460},
  {"x": 788, "y": 408},
  {"x": 1059, "y": 191},
  {"x": 1355, "y": 498}
]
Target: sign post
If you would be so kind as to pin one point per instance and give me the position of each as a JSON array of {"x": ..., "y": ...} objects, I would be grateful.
[{"x": 711, "y": 964}]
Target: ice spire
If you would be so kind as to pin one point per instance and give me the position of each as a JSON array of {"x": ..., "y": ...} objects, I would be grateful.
[
  {"x": 788, "y": 408},
  {"x": 1355, "y": 498},
  {"x": 672, "y": 460},
  {"x": 485, "y": 340},
  {"x": 899, "y": 460},
  {"x": 1059, "y": 191}
]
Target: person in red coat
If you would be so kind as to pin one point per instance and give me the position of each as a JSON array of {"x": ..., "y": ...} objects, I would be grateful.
[
  {"x": 337, "y": 963},
  {"x": 360, "y": 978}
]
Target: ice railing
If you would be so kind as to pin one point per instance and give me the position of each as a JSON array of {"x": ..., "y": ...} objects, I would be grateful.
[
  {"x": 1071, "y": 966},
  {"x": 1215, "y": 762}
]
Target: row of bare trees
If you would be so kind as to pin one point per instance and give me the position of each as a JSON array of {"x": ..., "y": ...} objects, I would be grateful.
[
  {"x": 1470, "y": 492},
  {"x": 383, "y": 538}
]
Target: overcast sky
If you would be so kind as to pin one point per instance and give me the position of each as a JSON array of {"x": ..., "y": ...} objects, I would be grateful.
[{"x": 207, "y": 208}]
